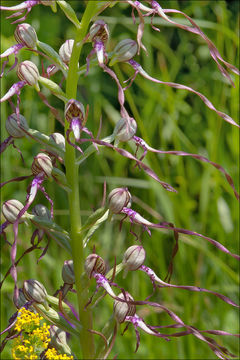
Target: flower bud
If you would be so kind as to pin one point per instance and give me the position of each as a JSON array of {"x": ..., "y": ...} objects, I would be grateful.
[
  {"x": 123, "y": 309},
  {"x": 94, "y": 263},
  {"x": 65, "y": 51},
  {"x": 68, "y": 272},
  {"x": 99, "y": 31},
  {"x": 26, "y": 34},
  {"x": 134, "y": 257},
  {"x": 125, "y": 129},
  {"x": 34, "y": 291},
  {"x": 14, "y": 124},
  {"x": 28, "y": 72},
  {"x": 41, "y": 211},
  {"x": 42, "y": 163},
  {"x": 73, "y": 109},
  {"x": 11, "y": 209},
  {"x": 56, "y": 139},
  {"x": 59, "y": 339},
  {"x": 125, "y": 50},
  {"x": 59, "y": 139},
  {"x": 118, "y": 199}
]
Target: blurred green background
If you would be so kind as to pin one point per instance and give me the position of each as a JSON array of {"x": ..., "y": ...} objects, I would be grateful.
[{"x": 167, "y": 119}]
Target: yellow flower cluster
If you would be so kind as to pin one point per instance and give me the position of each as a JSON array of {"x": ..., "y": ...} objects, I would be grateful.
[
  {"x": 51, "y": 354},
  {"x": 34, "y": 338},
  {"x": 27, "y": 320}
]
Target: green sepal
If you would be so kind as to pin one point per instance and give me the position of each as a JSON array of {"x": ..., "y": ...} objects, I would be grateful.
[
  {"x": 61, "y": 179},
  {"x": 50, "y": 52},
  {"x": 54, "y": 318},
  {"x": 69, "y": 12},
  {"x": 54, "y": 302},
  {"x": 93, "y": 218},
  {"x": 45, "y": 140},
  {"x": 95, "y": 226},
  {"x": 53, "y": 87}
]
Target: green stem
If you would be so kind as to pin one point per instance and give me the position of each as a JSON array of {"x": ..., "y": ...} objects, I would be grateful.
[{"x": 86, "y": 338}]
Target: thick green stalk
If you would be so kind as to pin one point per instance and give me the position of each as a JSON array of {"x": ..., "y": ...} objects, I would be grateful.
[{"x": 86, "y": 338}]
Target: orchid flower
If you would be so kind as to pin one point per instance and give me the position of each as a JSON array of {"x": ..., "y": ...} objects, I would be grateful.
[{"x": 98, "y": 35}]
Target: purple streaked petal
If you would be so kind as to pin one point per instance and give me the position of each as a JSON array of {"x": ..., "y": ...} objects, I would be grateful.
[
  {"x": 13, "y": 66},
  {"x": 3, "y": 227},
  {"x": 213, "y": 50},
  {"x": 76, "y": 127},
  {"x": 12, "y": 50},
  {"x": 14, "y": 90},
  {"x": 137, "y": 218},
  {"x": 44, "y": 250},
  {"x": 20, "y": 178},
  {"x": 8, "y": 141},
  {"x": 52, "y": 69},
  {"x": 161, "y": 284},
  {"x": 42, "y": 189},
  {"x": 28, "y": 250},
  {"x": 103, "y": 282},
  {"x": 140, "y": 142},
  {"x": 72, "y": 309},
  {"x": 22, "y": 6},
  {"x": 208, "y": 103},
  {"x": 11, "y": 325},
  {"x": 26, "y": 5},
  {"x": 121, "y": 97},
  {"x": 100, "y": 51},
  {"x": 31, "y": 193},
  {"x": 138, "y": 322},
  {"x": 88, "y": 58}
]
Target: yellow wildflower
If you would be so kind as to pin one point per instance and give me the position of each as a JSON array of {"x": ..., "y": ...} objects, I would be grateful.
[{"x": 51, "y": 354}]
